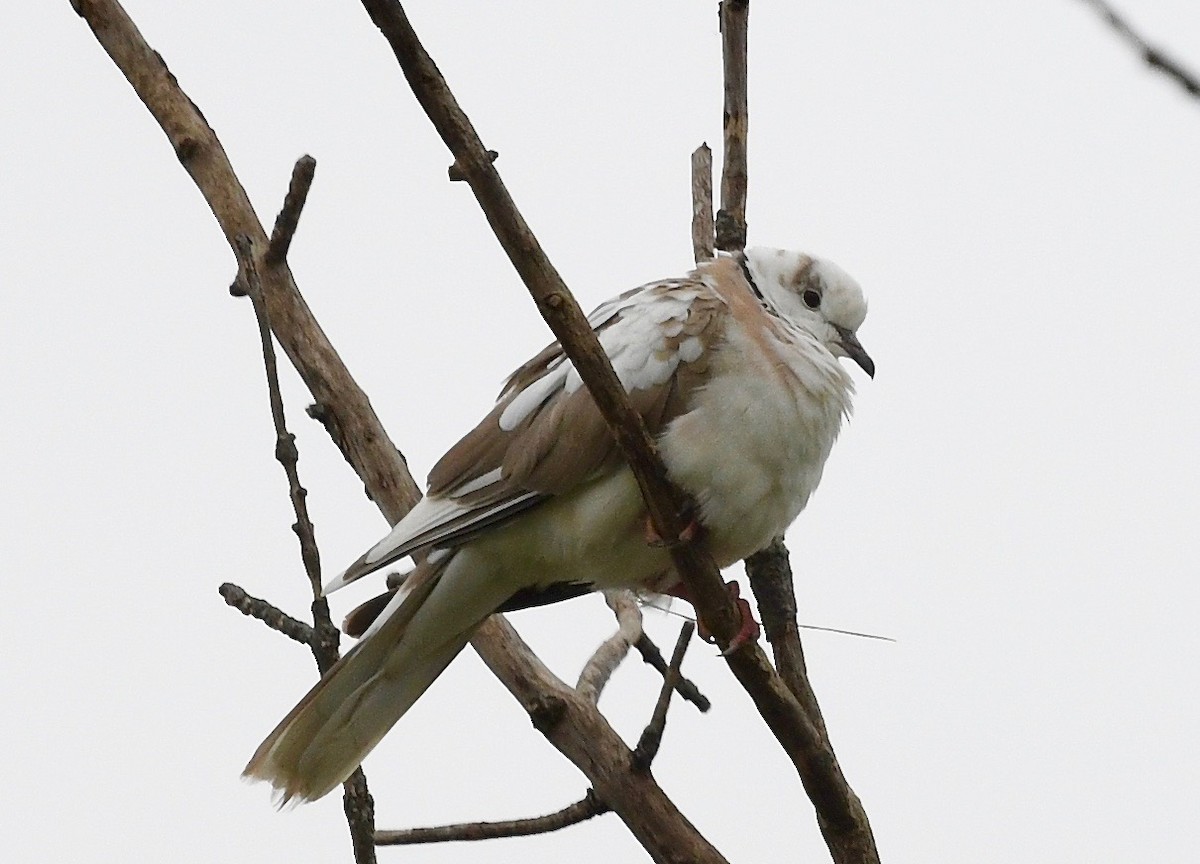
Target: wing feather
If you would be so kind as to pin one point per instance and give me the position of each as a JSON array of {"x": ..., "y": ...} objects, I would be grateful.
[{"x": 545, "y": 435}]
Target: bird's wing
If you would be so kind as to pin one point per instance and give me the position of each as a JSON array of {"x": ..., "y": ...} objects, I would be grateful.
[{"x": 545, "y": 435}]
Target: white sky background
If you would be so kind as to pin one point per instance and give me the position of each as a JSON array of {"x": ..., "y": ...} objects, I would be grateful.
[{"x": 1014, "y": 502}]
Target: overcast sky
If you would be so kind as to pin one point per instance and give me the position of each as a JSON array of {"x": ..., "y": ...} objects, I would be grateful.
[{"x": 1015, "y": 501}]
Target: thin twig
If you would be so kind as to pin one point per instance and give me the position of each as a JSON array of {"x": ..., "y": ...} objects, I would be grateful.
[
  {"x": 289, "y": 215},
  {"x": 348, "y": 416},
  {"x": 702, "y": 214},
  {"x": 683, "y": 686},
  {"x": 731, "y": 218},
  {"x": 1153, "y": 57},
  {"x": 287, "y": 221},
  {"x": 651, "y": 738},
  {"x": 573, "y": 814},
  {"x": 273, "y": 617},
  {"x": 357, "y": 802},
  {"x": 612, "y": 651}
]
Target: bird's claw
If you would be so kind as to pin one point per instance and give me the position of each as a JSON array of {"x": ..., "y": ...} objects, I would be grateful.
[
  {"x": 691, "y": 531},
  {"x": 748, "y": 630}
]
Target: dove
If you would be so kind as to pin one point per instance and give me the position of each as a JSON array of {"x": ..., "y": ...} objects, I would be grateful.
[{"x": 735, "y": 370}]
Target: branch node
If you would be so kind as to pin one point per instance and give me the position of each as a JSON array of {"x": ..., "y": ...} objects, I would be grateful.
[
  {"x": 546, "y": 711},
  {"x": 457, "y": 173},
  {"x": 186, "y": 149}
]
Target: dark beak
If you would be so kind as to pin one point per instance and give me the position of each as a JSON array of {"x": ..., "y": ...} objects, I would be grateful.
[{"x": 855, "y": 351}]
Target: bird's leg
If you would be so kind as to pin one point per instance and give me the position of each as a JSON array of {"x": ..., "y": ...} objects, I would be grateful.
[{"x": 748, "y": 630}]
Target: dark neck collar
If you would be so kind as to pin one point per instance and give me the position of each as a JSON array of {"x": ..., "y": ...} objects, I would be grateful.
[{"x": 750, "y": 281}]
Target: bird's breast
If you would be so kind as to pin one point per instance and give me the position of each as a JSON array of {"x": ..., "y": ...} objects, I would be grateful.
[{"x": 753, "y": 444}]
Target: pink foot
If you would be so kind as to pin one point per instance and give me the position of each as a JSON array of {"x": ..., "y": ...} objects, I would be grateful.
[
  {"x": 747, "y": 632},
  {"x": 690, "y": 532}
]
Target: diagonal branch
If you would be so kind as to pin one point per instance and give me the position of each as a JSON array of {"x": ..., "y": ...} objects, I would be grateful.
[
  {"x": 566, "y": 319},
  {"x": 569, "y": 722},
  {"x": 840, "y": 813},
  {"x": 350, "y": 419},
  {"x": 651, "y": 738},
  {"x": 1153, "y": 57},
  {"x": 686, "y": 688},
  {"x": 572, "y": 724}
]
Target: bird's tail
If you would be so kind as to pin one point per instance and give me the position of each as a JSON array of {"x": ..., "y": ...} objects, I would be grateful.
[{"x": 325, "y": 737}]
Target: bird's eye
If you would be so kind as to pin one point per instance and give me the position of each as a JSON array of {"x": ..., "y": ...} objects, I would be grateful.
[{"x": 812, "y": 299}]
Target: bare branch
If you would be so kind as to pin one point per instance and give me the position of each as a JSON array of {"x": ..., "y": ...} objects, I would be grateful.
[
  {"x": 289, "y": 216},
  {"x": 457, "y": 175},
  {"x": 841, "y": 816},
  {"x": 702, "y": 214},
  {"x": 569, "y": 722},
  {"x": 347, "y": 414},
  {"x": 685, "y": 688},
  {"x": 849, "y": 834},
  {"x": 274, "y": 618},
  {"x": 651, "y": 738},
  {"x": 612, "y": 651},
  {"x": 573, "y": 814},
  {"x": 731, "y": 218},
  {"x": 573, "y": 725},
  {"x": 770, "y": 575},
  {"x": 357, "y": 803},
  {"x": 667, "y": 506},
  {"x": 1153, "y": 57}
]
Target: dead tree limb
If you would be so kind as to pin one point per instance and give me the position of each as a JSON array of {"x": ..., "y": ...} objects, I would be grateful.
[
  {"x": 275, "y": 618},
  {"x": 354, "y": 427},
  {"x": 567, "y": 720},
  {"x": 605, "y": 659},
  {"x": 590, "y": 805},
  {"x": 840, "y": 814},
  {"x": 1153, "y": 57},
  {"x": 651, "y": 737},
  {"x": 687, "y": 689},
  {"x": 731, "y": 218},
  {"x": 666, "y": 505},
  {"x": 582, "y": 810},
  {"x": 572, "y": 724},
  {"x": 357, "y": 803},
  {"x": 702, "y": 214}
]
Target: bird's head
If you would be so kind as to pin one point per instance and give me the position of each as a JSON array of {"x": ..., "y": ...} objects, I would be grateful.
[{"x": 815, "y": 293}]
